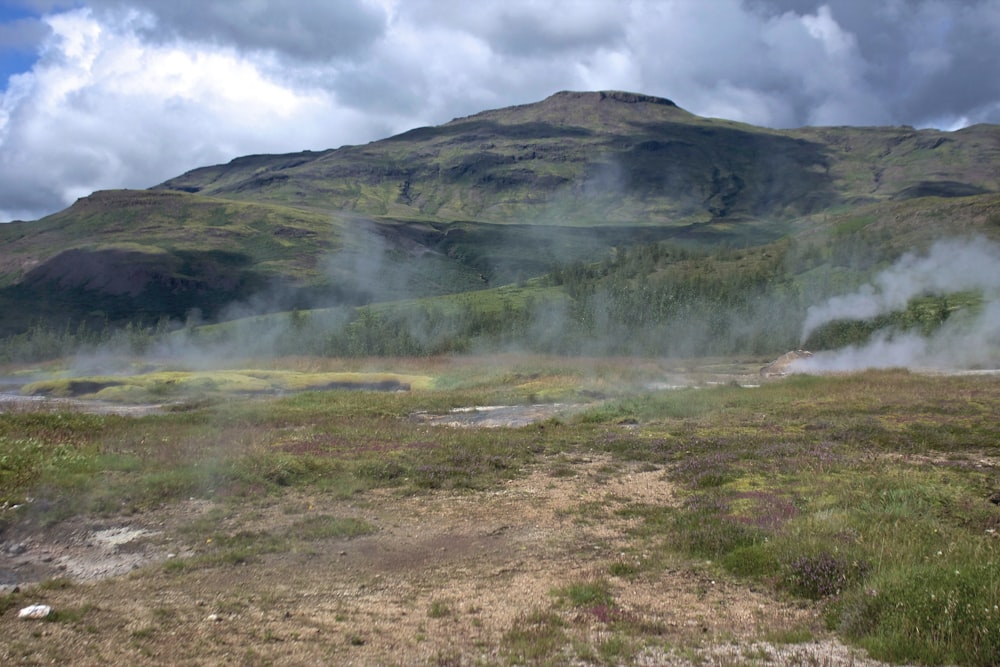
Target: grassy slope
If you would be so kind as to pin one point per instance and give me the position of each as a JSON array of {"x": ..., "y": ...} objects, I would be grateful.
[
  {"x": 279, "y": 240},
  {"x": 875, "y": 163},
  {"x": 765, "y": 288},
  {"x": 127, "y": 254}
]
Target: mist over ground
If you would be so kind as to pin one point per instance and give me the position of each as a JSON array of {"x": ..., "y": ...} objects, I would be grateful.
[{"x": 663, "y": 299}]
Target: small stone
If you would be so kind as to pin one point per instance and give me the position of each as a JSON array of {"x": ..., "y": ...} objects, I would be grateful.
[
  {"x": 17, "y": 549},
  {"x": 215, "y": 618}
]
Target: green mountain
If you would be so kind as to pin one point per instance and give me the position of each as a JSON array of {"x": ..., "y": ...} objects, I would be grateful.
[{"x": 490, "y": 199}]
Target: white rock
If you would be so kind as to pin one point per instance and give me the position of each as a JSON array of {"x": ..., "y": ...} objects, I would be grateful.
[{"x": 35, "y": 612}]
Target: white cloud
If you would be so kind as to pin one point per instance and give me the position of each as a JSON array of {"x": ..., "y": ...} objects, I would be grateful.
[
  {"x": 822, "y": 27},
  {"x": 606, "y": 70},
  {"x": 104, "y": 109}
]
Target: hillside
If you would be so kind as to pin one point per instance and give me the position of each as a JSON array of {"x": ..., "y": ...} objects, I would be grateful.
[
  {"x": 595, "y": 158},
  {"x": 497, "y": 197}
]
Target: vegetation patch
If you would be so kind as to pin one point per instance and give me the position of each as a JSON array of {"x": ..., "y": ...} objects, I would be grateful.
[
  {"x": 176, "y": 385},
  {"x": 825, "y": 575},
  {"x": 941, "y": 613}
]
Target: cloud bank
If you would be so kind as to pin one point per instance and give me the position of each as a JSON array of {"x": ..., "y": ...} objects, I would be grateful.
[{"x": 127, "y": 93}]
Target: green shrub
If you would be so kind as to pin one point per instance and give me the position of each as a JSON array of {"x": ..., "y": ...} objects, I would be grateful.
[
  {"x": 755, "y": 560},
  {"x": 439, "y": 609}
]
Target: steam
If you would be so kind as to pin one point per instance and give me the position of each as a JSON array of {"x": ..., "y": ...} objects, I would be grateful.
[{"x": 948, "y": 267}]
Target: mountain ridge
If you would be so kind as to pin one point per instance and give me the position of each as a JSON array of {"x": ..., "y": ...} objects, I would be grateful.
[{"x": 623, "y": 146}]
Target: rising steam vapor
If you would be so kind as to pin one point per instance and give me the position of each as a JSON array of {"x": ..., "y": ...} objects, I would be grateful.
[{"x": 948, "y": 267}]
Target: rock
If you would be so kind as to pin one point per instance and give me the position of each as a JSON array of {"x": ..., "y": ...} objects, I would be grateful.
[
  {"x": 783, "y": 364},
  {"x": 35, "y": 612},
  {"x": 17, "y": 549},
  {"x": 995, "y": 498}
]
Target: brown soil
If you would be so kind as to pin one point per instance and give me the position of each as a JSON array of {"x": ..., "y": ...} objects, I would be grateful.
[{"x": 442, "y": 581}]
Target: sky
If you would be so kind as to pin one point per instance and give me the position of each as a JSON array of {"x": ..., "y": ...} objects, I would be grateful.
[{"x": 100, "y": 94}]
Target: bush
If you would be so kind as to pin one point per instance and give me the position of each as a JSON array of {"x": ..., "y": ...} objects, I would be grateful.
[{"x": 825, "y": 575}]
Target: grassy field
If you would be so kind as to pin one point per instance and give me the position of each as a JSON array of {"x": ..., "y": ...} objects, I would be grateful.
[{"x": 657, "y": 511}]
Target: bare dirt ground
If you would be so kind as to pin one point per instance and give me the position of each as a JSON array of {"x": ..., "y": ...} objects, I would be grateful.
[{"x": 442, "y": 581}]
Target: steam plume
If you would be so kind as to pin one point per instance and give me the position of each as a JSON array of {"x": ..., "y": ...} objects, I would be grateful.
[{"x": 947, "y": 267}]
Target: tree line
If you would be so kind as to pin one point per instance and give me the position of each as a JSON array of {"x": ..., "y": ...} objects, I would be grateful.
[{"x": 651, "y": 299}]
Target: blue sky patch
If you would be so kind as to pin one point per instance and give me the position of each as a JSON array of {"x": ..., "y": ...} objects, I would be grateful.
[{"x": 18, "y": 48}]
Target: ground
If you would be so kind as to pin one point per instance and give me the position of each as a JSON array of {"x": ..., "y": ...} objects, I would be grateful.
[{"x": 446, "y": 578}]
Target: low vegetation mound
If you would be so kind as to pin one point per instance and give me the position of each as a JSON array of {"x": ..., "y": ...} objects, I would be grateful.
[{"x": 189, "y": 385}]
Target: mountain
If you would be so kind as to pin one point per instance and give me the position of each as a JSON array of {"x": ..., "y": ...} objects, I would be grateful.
[
  {"x": 479, "y": 201},
  {"x": 595, "y": 158}
]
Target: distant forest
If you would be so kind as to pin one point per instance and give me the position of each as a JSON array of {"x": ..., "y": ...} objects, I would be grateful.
[{"x": 654, "y": 299}]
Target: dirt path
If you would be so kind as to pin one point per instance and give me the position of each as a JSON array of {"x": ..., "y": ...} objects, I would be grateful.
[{"x": 446, "y": 579}]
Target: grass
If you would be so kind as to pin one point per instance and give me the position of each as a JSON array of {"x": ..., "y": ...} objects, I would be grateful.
[
  {"x": 536, "y": 638},
  {"x": 829, "y": 497},
  {"x": 952, "y": 613},
  {"x": 864, "y": 495},
  {"x": 439, "y": 609},
  {"x": 591, "y": 593}
]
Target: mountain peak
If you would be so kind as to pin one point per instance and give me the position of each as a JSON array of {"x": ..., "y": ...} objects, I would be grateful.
[
  {"x": 612, "y": 95},
  {"x": 586, "y": 108}
]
